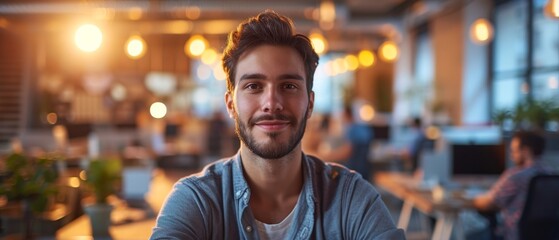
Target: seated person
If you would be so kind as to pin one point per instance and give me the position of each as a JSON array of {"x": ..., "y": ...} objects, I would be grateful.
[
  {"x": 418, "y": 143},
  {"x": 353, "y": 149},
  {"x": 508, "y": 194}
]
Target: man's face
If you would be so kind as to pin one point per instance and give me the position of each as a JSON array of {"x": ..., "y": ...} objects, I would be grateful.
[
  {"x": 270, "y": 103},
  {"x": 517, "y": 153}
]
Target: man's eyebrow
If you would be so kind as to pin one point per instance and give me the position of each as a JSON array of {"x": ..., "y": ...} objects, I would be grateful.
[
  {"x": 293, "y": 76},
  {"x": 259, "y": 76},
  {"x": 252, "y": 76}
]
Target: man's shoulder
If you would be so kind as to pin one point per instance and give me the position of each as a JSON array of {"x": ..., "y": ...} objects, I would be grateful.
[
  {"x": 523, "y": 175},
  {"x": 327, "y": 168},
  {"x": 332, "y": 174},
  {"x": 212, "y": 174}
]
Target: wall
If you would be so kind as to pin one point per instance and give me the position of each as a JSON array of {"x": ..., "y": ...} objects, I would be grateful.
[{"x": 448, "y": 43}]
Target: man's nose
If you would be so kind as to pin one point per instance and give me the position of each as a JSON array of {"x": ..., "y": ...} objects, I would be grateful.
[{"x": 272, "y": 100}]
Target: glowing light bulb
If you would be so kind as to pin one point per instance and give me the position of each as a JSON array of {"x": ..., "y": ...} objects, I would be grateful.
[
  {"x": 481, "y": 31},
  {"x": 88, "y": 38},
  {"x": 366, "y": 58},
  {"x": 135, "y": 47},
  {"x": 195, "y": 46},
  {"x": 388, "y": 51}
]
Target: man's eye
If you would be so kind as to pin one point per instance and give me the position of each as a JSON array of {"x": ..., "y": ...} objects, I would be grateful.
[
  {"x": 290, "y": 86},
  {"x": 252, "y": 86}
]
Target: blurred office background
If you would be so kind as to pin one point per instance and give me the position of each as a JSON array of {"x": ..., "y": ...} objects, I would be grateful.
[{"x": 141, "y": 81}]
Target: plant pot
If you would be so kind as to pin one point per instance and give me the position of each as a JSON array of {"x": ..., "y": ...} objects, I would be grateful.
[{"x": 100, "y": 218}]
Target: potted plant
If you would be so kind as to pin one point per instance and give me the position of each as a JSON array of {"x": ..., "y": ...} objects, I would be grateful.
[
  {"x": 529, "y": 114},
  {"x": 102, "y": 176},
  {"x": 29, "y": 181}
]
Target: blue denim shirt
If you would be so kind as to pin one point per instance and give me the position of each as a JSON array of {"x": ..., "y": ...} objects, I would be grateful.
[{"x": 214, "y": 204}]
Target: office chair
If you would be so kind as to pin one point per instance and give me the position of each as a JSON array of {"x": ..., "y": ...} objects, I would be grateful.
[{"x": 540, "y": 218}]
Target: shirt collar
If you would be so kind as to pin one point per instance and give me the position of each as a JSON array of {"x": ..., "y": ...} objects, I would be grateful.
[{"x": 240, "y": 184}]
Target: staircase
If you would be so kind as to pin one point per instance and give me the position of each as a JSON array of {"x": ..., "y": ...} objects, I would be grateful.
[{"x": 11, "y": 88}]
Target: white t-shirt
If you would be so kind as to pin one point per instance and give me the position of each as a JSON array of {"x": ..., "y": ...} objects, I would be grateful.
[{"x": 278, "y": 230}]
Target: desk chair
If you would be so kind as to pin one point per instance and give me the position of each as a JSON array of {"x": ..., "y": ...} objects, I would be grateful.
[{"x": 540, "y": 218}]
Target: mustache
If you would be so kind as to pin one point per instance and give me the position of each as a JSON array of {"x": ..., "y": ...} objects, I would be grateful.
[{"x": 270, "y": 117}]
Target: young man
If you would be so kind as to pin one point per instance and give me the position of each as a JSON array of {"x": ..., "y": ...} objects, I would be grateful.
[
  {"x": 270, "y": 189},
  {"x": 508, "y": 194}
]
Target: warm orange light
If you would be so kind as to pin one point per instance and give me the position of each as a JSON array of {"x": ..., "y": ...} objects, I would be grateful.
[
  {"x": 351, "y": 62},
  {"x": 219, "y": 74},
  {"x": 193, "y": 12},
  {"x": 209, "y": 56},
  {"x": 135, "y": 13},
  {"x": 158, "y": 110},
  {"x": 195, "y": 46},
  {"x": 88, "y": 38},
  {"x": 135, "y": 47},
  {"x": 481, "y": 31},
  {"x": 366, "y": 58},
  {"x": 52, "y": 118},
  {"x": 319, "y": 43},
  {"x": 388, "y": 51},
  {"x": 551, "y": 8},
  {"x": 339, "y": 66},
  {"x": 367, "y": 113},
  {"x": 432, "y": 133}
]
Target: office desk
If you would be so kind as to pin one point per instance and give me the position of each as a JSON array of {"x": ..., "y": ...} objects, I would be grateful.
[
  {"x": 161, "y": 183},
  {"x": 445, "y": 209},
  {"x": 81, "y": 229}
]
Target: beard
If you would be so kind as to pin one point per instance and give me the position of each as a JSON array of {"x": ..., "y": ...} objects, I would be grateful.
[{"x": 272, "y": 150}]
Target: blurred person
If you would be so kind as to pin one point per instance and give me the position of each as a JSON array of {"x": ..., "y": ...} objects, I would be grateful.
[
  {"x": 508, "y": 194},
  {"x": 271, "y": 189},
  {"x": 353, "y": 148},
  {"x": 419, "y": 142}
]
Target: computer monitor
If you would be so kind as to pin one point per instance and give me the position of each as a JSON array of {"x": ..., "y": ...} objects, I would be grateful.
[
  {"x": 172, "y": 130},
  {"x": 78, "y": 130},
  {"x": 381, "y": 132},
  {"x": 478, "y": 159}
]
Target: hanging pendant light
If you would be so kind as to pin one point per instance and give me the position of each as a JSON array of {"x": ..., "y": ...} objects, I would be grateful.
[
  {"x": 88, "y": 38},
  {"x": 319, "y": 43},
  {"x": 481, "y": 31},
  {"x": 135, "y": 47},
  {"x": 195, "y": 46},
  {"x": 551, "y": 8},
  {"x": 366, "y": 58},
  {"x": 389, "y": 51}
]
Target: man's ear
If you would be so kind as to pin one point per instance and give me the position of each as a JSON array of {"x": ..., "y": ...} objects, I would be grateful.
[
  {"x": 230, "y": 104},
  {"x": 311, "y": 104}
]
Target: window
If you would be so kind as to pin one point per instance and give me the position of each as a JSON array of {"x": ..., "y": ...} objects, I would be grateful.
[{"x": 513, "y": 72}]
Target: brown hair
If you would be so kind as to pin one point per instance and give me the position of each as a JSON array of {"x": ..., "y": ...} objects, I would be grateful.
[
  {"x": 533, "y": 140},
  {"x": 267, "y": 28}
]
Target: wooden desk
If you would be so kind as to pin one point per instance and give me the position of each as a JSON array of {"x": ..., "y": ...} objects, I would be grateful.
[
  {"x": 161, "y": 185},
  {"x": 445, "y": 209},
  {"x": 81, "y": 229}
]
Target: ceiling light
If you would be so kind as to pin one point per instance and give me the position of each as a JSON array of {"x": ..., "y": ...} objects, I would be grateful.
[
  {"x": 481, "y": 31},
  {"x": 88, "y": 38},
  {"x": 388, "y": 51},
  {"x": 135, "y": 47},
  {"x": 366, "y": 58},
  {"x": 195, "y": 46},
  {"x": 319, "y": 43},
  {"x": 209, "y": 56},
  {"x": 158, "y": 110},
  {"x": 551, "y": 8}
]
